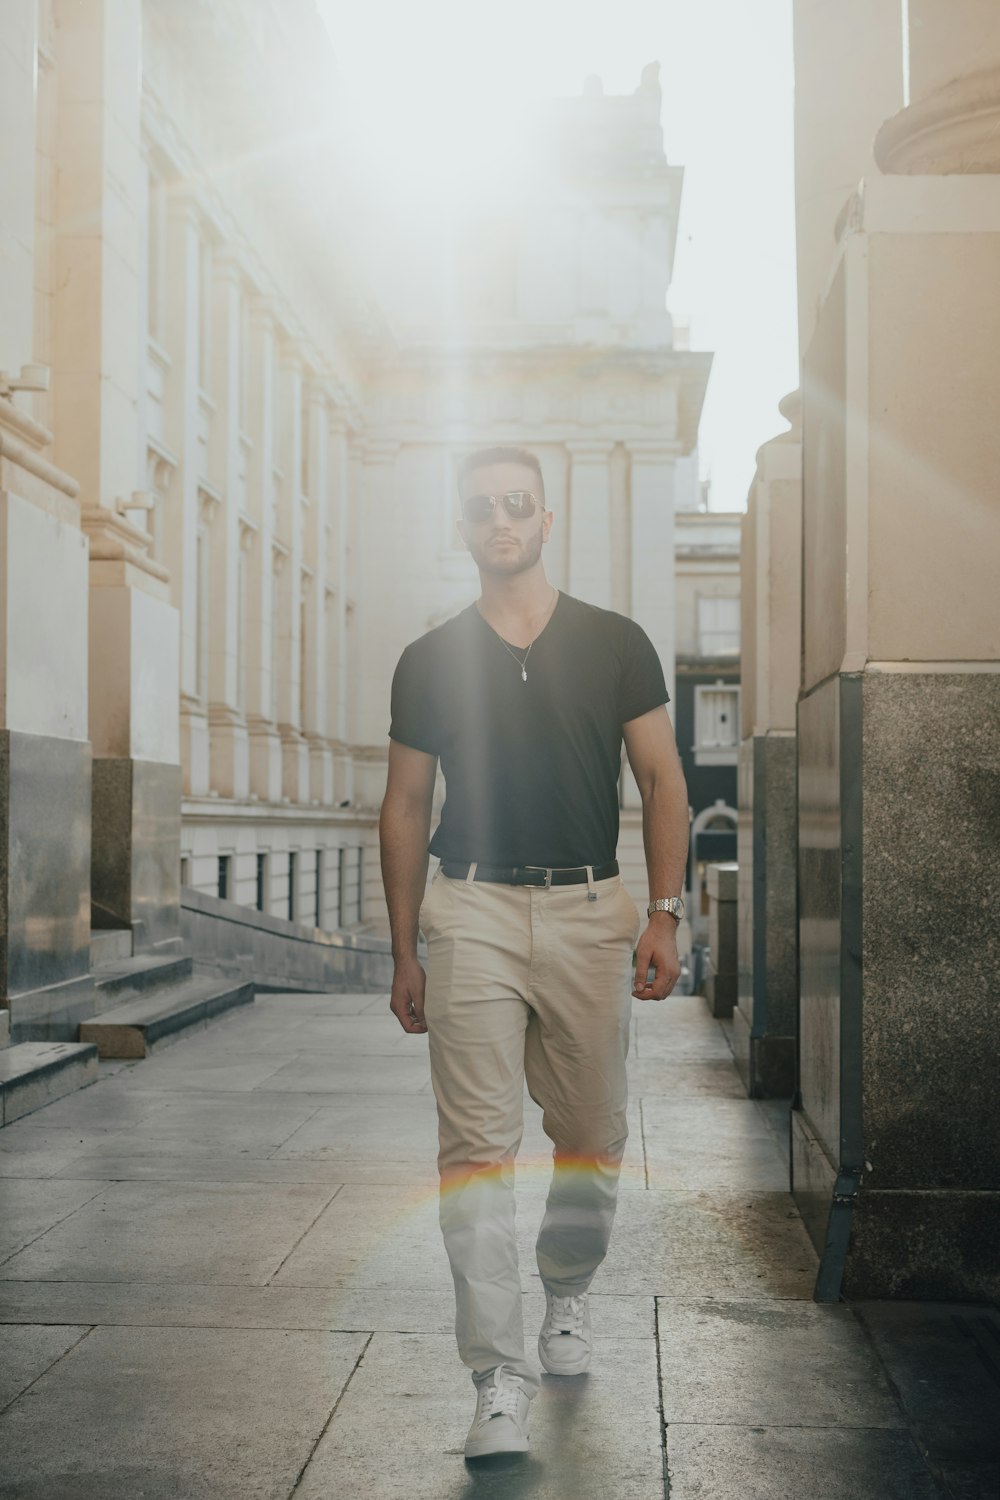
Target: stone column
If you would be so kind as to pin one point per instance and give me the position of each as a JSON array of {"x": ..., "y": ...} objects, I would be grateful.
[
  {"x": 45, "y": 807},
  {"x": 186, "y": 418},
  {"x": 590, "y": 522},
  {"x": 319, "y": 667},
  {"x": 653, "y": 602},
  {"x": 850, "y": 51},
  {"x": 294, "y": 748},
  {"x": 376, "y": 640},
  {"x": 133, "y": 635},
  {"x": 338, "y": 582},
  {"x": 231, "y": 452},
  {"x": 896, "y": 1145},
  {"x": 765, "y": 1019},
  {"x": 264, "y": 741}
]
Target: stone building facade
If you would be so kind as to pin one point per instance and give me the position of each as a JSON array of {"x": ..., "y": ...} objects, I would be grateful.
[
  {"x": 892, "y": 712},
  {"x": 234, "y": 502}
]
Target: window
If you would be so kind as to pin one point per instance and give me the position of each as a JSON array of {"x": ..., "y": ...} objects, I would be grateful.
[
  {"x": 261, "y": 882},
  {"x": 319, "y": 888},
  {"x": 361, "y": 884},
  {"x": 718, "y": 626},
  {"x": 156, "y": 257},
  {"x": 185, "y": 867},
  {"x": 223, "y": 877},
  {"x": 341, "y": 887},
  {"x": 205, "y": 315},
  {"x": 716, "y": 724},
  {"x": 293, "y": 860}
]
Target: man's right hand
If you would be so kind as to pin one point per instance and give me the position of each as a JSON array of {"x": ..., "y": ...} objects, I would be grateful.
[{"x": 406, "y": 1000}]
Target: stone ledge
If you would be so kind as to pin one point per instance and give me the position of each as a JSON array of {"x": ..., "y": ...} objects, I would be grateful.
[{"x": 33, "y": 1074}]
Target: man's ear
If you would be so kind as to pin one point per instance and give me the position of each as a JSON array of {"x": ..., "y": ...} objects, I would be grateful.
[{"x": 461, "y": 535}]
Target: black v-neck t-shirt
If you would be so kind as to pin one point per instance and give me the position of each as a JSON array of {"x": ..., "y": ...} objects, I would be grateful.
[{"x": 531, "y": 767}]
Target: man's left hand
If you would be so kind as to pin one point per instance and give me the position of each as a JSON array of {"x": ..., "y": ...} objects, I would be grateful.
[{"x": 657, "y": 950}]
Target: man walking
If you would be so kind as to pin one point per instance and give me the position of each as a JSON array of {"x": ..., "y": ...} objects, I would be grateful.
[{"x": 525, "y": 697}]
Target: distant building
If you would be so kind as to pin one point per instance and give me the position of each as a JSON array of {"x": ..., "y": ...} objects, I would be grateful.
[
  {"x": 707, "y": 718},
  {"x": 233, "y": 502}
]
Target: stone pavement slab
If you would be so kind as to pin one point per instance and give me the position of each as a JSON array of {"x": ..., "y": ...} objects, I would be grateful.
[
  {"x": 342, "y": 1308},
  {"x": 186, "y": 1231},
  {"x": 30, "y": 1209},
  {"x": 27, "y": 1352},
  {"x": 401, "y": 1426},
  {"x": 224, "y": 1277},
  {"x": 767, "y": 1363},
  {"x": 778, "y": 1463},
  {"x": 165, "y": 1413}
]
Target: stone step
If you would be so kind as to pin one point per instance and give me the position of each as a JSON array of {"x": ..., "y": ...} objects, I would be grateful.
[
  {"x": 109, "y": 945},
  {"x": 134, "y": 1029},
  {"x": 33, "y": 1074},
  {"x": 128, "y": 978},
  {"x": 4, "y": 1033}
]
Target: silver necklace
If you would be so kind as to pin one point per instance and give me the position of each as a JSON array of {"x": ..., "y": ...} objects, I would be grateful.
[{"x": 522, "y": 661}]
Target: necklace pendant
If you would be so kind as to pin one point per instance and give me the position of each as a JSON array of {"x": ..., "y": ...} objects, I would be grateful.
[{"x": 524, "y": 674}]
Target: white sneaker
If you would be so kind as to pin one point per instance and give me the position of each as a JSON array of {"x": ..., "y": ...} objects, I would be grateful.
[
  {"x": 501, "y": 1421},
  {"x": 566, "y": 1340}
]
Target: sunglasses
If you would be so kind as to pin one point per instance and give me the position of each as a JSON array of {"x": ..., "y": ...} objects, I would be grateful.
[{"x": 519, "y": 504}]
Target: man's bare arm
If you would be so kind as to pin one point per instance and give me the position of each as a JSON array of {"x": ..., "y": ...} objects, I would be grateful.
[
  {"x": 404, "y": 828},
  {"x": 652, "y": 754}
]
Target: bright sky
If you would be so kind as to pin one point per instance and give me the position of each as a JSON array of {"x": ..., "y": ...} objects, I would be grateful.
[{"x": 440, "y": 81}]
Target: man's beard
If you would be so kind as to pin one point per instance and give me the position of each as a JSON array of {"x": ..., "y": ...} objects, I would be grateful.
[{"x": 506, "y": 561}]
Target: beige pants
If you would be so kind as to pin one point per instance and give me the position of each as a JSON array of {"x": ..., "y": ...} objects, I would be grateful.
[{"x": 529, "y": 983}]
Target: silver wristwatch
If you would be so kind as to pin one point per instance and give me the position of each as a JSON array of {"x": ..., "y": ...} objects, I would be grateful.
[{"x": 673, "y": 904}]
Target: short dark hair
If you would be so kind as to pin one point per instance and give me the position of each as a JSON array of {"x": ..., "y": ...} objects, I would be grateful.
[{"x": 500, "y": 455}]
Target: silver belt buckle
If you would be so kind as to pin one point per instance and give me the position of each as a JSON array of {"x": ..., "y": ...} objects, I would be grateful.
[{"x": 548, "y": 873}]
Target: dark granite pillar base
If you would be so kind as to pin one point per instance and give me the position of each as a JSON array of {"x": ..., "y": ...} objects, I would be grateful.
[
  {"x": 136, "y": 850},
  {"x": 899, "y": 886},
  {"x": 764, "y": 1020},
  {"x": 44, "y": 874}
]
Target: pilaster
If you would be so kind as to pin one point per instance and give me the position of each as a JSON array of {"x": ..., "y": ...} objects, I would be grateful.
[
  {"x": 45, "y": 757},
  {"x": 653, "y": 602},
  {"x": 133, "y": 627},
  {"x": 290, "y": 597},
  {"x": 590, "y": 521},
  {"x": 266, "y": 478},
  {"x": 765, "y": 1020}
]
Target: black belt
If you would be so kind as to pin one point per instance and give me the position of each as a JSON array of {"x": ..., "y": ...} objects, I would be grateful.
[{"x": 529, "y": 874}]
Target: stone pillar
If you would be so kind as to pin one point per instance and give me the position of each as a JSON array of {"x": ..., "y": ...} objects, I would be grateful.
[
  {"x": 720, "y": 975},
  {"x": 133, "y": 633},
  {"x": 261, "y": 709},
  {"x": 376, "y": 643},
  {"x": 319, "y": 668},
  {"x": 590, "y": 522},
  {"x": 653, "y": 603},
  {"x": 45, "y": 824},
  {"x": 232, "y": 449},
  {"x": 187, "y": 418},
  {"x": 338, "y": 531},
  {"x": 765, "y": 1019},
  {"x": 850, "y": 51},
  {"x": 896, "y": 1144},
  {"x": 17, "y": 242},
  {"x": 294, "y": 748}
]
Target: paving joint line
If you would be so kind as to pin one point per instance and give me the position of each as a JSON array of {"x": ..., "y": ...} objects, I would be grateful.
[
  {"x": 294, "y": 1131},
  {"x": 58, "y": 1360},
  {"x": 642, "y": 1138},
  {"x": 326, "y": 1425},
  {"x": 105, "y": 1182},
  {"x": 659, "y": 1399},
  {"x": 309, "y": 1226}
]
